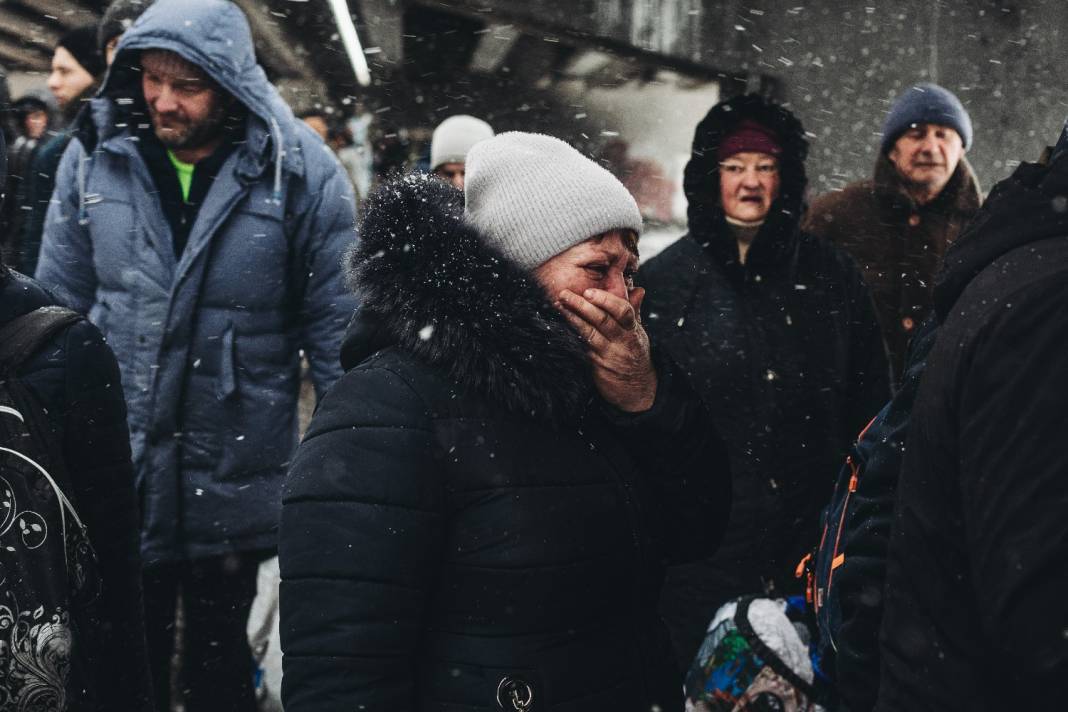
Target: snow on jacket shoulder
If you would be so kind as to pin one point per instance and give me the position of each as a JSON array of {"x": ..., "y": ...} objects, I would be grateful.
[
  {"x": 209, "y": 342},
  {"x": 464, "y": 512}
]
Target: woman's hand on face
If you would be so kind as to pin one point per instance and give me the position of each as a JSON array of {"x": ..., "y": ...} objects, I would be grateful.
[{"x": 619, "y": 347}]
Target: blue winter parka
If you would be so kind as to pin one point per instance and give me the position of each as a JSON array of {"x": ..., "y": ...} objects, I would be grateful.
[{"x": 209, "y": 342}]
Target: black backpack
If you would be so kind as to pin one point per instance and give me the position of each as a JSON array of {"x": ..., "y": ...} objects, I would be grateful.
[
  {"x": 48, "y": 570},
  {"x": 846, "y": 572}
]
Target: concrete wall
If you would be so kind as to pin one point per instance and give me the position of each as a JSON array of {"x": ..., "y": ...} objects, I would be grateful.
[{"x": 840, "y": 64}]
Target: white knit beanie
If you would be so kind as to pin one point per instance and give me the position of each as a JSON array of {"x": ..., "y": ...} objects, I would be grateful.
[
  {"x": 454, "y": 137},
  {"x": 533, "y": 197}
]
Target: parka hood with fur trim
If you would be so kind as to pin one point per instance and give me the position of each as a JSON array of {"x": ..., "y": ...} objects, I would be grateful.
[
  {"x": 707, "y": 222},
  {"x": 431, "y": 286}
]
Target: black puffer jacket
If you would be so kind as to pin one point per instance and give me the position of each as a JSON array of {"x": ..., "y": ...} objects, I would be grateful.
[
  {"x": 786, "y": 352},
  {"x": 76, "y": 379},
  {"x": 977, "y": 575},
  {"x": 463, "y": 511}
]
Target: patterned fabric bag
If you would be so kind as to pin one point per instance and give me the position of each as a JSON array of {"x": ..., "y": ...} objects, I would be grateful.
[
  {"x": 755, "y": 658},
  {"x": 48, "y": 570}
]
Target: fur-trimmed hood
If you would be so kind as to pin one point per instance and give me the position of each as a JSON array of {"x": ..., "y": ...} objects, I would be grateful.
[
  {"x": 431, "y": 286},
  {"x": 707, "y": 223}
]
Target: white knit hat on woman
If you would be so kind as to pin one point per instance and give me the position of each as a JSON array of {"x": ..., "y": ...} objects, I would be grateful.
[
  {"x": 454, "y": 137},
  {"x": 534, "y": 196}
]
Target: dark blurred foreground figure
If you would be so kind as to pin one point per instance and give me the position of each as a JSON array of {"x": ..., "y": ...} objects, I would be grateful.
[
  {"x": 84, "y": 648},
  {"x": 481, "y": 509},
  {"x": 976, "y": 580},
  {"x": 201, "y": 227},
  {"x": 777, "y": 332},
  {"x": 30, "y": 115},
  {"x": 898, "y": 225}
]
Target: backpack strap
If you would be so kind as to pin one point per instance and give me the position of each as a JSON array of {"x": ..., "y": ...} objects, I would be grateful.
[
  {"x": 21, "y": 337},
  {"x": 770, "y": 658}
]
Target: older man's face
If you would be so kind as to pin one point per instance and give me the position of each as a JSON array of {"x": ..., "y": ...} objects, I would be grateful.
[
  {"x": 926, "y": 156},
  {"x": 186, "y": 107},
  {"x": 607, "y": 262}
]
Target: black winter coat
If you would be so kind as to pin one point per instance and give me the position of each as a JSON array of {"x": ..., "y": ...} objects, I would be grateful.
[
  {"x": 784, "y": 350},
  {"x": 463, "y": 512},
  {"x": 76, "y": 379},
  {"x": 977, "y": 576}
]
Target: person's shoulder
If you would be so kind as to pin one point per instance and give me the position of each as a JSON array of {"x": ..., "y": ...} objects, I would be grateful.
[
  {"x": 320, "y": 162},
  {"x": 1016, "y": 286},
  {"x": 850, "y": 202},
  {"x": 684, "y": 254},
  {"x": 389, "y": 388}
]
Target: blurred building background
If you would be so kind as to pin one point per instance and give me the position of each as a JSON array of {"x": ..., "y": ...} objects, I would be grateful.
[{"x": 627, "y": 80}]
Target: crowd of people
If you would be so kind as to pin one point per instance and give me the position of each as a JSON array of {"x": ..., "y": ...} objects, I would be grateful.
[{"x": 804, "y": 458}]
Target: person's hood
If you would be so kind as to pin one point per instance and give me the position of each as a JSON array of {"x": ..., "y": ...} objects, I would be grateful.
[
  {"x": 431, "y": 286},
  {"x": 707, "y": 222},
  {"x": 1028, "y": 206},
  {"x": 961, "y": 194},
  {"x": 214, "y": 35}
]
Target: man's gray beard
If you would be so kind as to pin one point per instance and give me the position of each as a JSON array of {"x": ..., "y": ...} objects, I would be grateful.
[{"x": 197, "y": 135}]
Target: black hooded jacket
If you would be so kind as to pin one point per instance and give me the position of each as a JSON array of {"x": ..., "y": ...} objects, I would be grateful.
[
  {"x": 786, "y": 353},
  {"x": 464, "y": 513},
  {"x": 977, "y": 575}
]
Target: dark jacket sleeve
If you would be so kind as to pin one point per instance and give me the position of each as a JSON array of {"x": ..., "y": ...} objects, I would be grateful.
[
  {"x": 685, "y": 464},
  {"x": 96, "y": 450},
  {"x": 361, "y": 534},
  {"x": 1011, "y": 421}
]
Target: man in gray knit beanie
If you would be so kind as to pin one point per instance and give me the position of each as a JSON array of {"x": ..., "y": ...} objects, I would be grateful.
[{"x": 452, "y": 139}]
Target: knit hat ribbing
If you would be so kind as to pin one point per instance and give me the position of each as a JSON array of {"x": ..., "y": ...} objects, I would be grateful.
[
  {"x": 926, "y": 104},
  {"x": 533, "y": 196},
  {"x": 749, "y": 136},
  {"x": 81, "y": 43},
  {"x": 454, "y": 137}
]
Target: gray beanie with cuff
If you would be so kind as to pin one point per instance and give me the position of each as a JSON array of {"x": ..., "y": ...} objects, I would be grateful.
[
  {"x": 533, "y": 196},
  {"x": 454, "y": 137}
]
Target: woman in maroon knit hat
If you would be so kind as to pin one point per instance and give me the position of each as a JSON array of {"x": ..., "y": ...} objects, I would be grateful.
[{"x": 777, "y": 332}]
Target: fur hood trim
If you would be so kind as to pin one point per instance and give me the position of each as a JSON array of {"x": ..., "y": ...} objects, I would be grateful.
[
  {"x": 431, "y": 286},
  {"x": 775, "y": 242}
]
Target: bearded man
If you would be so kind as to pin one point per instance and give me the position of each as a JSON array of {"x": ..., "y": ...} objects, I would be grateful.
[{"x": 201, "y": 227}]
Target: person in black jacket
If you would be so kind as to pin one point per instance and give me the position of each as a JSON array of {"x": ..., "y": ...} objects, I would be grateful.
[
  {"x": 75, "y": 379},
  {"x": 777, "y": 331},
  {"x": 481, "y": 509},
  {"x": 976, "y": 576}
]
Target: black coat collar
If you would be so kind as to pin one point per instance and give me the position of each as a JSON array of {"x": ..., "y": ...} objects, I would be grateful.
[{"x": 430, "y": 286}]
